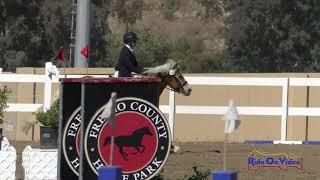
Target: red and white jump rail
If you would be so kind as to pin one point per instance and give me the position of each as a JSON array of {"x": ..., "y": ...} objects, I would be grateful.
[{"x": 284, "y": 82}]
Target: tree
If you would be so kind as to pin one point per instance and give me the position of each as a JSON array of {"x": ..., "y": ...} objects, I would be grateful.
[
  {"x": 169, "y": 7},
  {"x": 34, "y": 31},
  {"x": 273, "y": 35},
  {"x": 211, "y": 9},
  {"x": 152, "y": 48},
  {"x": 99, "y": 32},
  {"x": 17, "y": 29},
  {"x": 54, "y": 27},
  {"x": 3, "y": 18},
  {"x": 127, "y": 11}
]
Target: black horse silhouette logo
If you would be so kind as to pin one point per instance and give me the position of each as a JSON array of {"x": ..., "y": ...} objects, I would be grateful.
[{"x": 133, "y": 140}]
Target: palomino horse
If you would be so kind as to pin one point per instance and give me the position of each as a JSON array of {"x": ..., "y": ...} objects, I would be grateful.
[
  {"x": 133, "y": 140},
  {"x": 170, "y": 75}
]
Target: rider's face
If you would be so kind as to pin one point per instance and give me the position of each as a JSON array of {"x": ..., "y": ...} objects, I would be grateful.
[{"x": 133, "y": 44}]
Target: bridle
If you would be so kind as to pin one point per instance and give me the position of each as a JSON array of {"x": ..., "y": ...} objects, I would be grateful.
[{"x": 181, "y": 85}]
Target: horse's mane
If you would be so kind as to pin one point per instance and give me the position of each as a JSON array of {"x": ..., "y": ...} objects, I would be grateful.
[{"x": 162, "y": 69}]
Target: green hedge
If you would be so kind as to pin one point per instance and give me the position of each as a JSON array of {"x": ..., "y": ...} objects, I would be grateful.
[
  {"x": 4, "y": 93},
  {"x": 50, "y": 118}
]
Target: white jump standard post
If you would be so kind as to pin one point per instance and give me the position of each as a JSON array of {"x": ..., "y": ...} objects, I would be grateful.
[
  {"x": 110, "y": 172},
  {"x": 232, "y": 122}
]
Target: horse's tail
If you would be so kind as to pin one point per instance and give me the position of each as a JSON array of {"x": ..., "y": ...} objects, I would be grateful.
[{"x": 107, "y": 141}]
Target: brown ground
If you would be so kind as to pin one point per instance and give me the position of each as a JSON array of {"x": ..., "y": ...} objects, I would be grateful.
[{"x": 206, "y": 156}]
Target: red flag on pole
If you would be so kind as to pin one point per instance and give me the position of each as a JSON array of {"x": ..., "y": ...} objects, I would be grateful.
[
  {"x": 85, "y": 51},
  {"x": 60, "y": 54}
]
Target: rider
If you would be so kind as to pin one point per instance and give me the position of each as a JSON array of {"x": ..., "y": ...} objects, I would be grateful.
[{"x": 127, "y": 62}]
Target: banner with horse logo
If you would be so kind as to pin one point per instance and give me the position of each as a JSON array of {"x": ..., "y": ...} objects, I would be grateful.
[
  {"x": 132, "y": 141},
  {"x": 142, "y": 139}
]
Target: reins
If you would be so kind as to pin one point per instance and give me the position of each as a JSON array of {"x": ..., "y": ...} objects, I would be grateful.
[{"x": 180, "y": 87}]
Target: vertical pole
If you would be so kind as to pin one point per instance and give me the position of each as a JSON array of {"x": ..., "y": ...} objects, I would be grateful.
[
  {"x": 87, "y": 69},
  {"x": 82, "y": 155},
  {"x": 64, "y": 69},
  {"x": 82, "y": 32},
  {"x": 307, "y": 117},
  {"x": 111, "y": 147},
  {"x": 284, "y": 116},
  {"x": 60, "y": 129},
  {"x": 33, "y": 102},
  {"x": 172, "y": 112},
  {"x": 225, "y": 151},
  {"x": 47, "y": 88}
]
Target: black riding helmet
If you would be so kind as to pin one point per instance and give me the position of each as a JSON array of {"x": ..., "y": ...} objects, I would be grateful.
[{"x": 130, "y": 37}]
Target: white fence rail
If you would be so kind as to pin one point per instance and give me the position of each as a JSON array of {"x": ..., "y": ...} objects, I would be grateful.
[
  {"x": 284, "y": 82},
  {"x": 284, "y": 111}
]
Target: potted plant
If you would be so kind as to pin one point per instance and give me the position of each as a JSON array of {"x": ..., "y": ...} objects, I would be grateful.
[
  {"x": 50, "y": 121},
  {"x": 4, "y": 94}
]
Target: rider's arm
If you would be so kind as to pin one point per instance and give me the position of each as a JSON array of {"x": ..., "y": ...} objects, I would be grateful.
[{"x": 131, "y": 67}]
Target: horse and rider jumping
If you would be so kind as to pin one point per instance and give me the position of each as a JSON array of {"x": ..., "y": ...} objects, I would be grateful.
[{"x": 169, "y": 73}]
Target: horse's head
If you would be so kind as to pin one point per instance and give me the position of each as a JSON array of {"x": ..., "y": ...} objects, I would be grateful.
[
  {"x": 145, "y": 131},
  {"x": 176, "y": 81},
  {"x": 170, "y": 75}
]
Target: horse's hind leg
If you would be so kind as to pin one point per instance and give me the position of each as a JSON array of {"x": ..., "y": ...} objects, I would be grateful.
[
  {"x": 138, "y": 150},
  {"x": 143, "y": 147}
]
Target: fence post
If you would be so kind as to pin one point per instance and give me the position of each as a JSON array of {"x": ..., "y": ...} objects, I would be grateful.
[
  {"x": 284, "y": 116},
  {"x": 172, "y": 112},
  {"x": 47, "y": 88}
]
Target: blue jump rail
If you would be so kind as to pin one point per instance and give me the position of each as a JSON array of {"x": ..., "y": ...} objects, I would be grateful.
[
  {"x": 110, "y": 173},
  {"x": 224, "y": 175}
]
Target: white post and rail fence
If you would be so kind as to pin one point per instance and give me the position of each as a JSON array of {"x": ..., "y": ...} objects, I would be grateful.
[{"x": 284, "y": 82}]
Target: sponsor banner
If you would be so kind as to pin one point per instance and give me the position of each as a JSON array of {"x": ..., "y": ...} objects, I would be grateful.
[
  {"x": 141, "y": 139},
  {"x": 258, "y": 159},
  {"x": 95, "y": 94}
]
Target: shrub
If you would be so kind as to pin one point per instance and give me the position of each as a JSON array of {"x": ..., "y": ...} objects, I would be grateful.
[
  {"x": 152, "y": 48},
  {"x": 169, "y": 7},
  {"x": 4, "y": 93},
  {"x": 206, "y": 62},
  {"x": 198, "y": 175},
  {"x": 114, "y": 43},
  {"x": 49, "y": 118}
]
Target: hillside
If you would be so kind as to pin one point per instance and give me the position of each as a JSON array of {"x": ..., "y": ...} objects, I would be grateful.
[{"x": 180, "y": 21}]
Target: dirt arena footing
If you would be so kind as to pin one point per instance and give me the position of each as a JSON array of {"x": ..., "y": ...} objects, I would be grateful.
[{"x": 208, "y": 156}]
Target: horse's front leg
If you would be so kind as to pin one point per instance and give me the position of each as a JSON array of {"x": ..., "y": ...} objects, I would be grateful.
[{"x": 124, "y": 155}]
